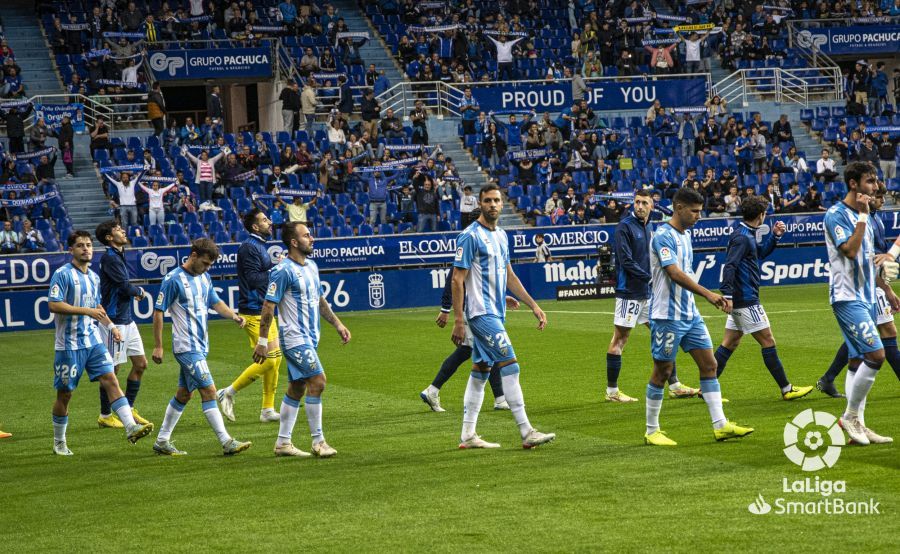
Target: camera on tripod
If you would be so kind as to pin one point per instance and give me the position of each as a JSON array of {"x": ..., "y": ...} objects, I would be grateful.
[{"x": 606, "y": 265}]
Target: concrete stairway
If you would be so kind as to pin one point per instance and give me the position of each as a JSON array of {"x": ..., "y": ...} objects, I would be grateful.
[
  {"x": 375, "y": 50},
  {"x": 23, "y": 33}
]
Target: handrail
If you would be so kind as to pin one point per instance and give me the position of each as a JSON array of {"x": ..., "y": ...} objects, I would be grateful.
[
  {"x": 115, "y": 114},
  {"x": 809, "y": 50},
  {"x": 797, "y": 85}
]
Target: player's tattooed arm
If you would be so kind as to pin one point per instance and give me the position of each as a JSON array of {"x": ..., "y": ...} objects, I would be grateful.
[
  {"x": 329, "y": 316},
  {"x": 262, "y": 347}
]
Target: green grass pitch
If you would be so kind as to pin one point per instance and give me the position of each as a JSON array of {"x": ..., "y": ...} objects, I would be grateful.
[{"x": 400, "y": 484}]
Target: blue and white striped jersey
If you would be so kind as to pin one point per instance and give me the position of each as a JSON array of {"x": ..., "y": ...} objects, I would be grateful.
[
  {"x": 69, "y": 285},
  {"x": 188, "y": 299},
  {"x": 485, "y": 254},
  {"x": 849, "y": 279},
  {"x": 669, "y": 300},
  {"x": 296, "y": 289}
]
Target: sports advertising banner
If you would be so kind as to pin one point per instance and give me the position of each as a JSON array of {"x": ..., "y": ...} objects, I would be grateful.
[
  {"x": 857, "y": 40},
  {"x": 31, "y": 270},
  {"x": 53, "y": 114},
  {"x": 601, "y": 95},
  {"x": 209, "y": 63},
  {"x": 410, "y": 288}
]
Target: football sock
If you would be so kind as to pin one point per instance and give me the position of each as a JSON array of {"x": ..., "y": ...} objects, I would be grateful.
[
  {"x": 860, "y": 387},
  {"x": 289, "y": 410},
  {"x": 512, "y": 390},
  {"x": 313, "y": 406},
  {"x": 214, "y": 417},
  {"x": 654, "y": 405},
  {"x": 892, "y": 354},
  {"x": 496, "y": 381},
  {"x": 712, "y": 394},
  {"x": 472, "y": 400},
  {"x": 105, "y": 410},
  {"x": 131, "y": 391},
  {"x": 270, "y": 381},
  {"x": 773, "y": 364},
  {"x": 59, "y": 427},
  {"x": 173, "y": 414},
  {"x": 861, "y": 410},
  {"x": 123, "y": 410},
  {"x": 722, "y": 355},
  {"x": 613, "y": 368},
  {"x": 450, "y": 365},
  {"x": 841, "y": 358}
]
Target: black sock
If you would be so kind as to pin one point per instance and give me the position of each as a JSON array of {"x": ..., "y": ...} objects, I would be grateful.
[
  {"x": 892, "y": 354},
  {"x": 131, "y": 391},
  {"x": 773, "y": 364},
  {"x": 496, "y": 381},
  {"x": 613, "y": 368},
  {"x": 838, "y": 364},
  {"x": 722, "y": 355},
  {"x": 451, "y": 364},
  {"x": 104, "y": 402},
  {"x": 673, "y": 378}
]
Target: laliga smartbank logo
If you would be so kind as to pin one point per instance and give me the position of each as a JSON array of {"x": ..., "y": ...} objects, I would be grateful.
[{"x": 813, "y": 441}]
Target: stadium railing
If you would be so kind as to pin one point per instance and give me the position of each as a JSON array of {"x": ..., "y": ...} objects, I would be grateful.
[
  {"x": 775, "y": 84},
  {"x": 134, "y": 106}
]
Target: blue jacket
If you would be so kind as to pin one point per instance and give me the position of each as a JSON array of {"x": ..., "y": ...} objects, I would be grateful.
[
  {"x": 116, "y": 292},
  {"x": 740, "y": 275},
  {"x": 632, "y": 240},
  {"x": 881, "y": 243},
  {"x": 253, "y": 265}
]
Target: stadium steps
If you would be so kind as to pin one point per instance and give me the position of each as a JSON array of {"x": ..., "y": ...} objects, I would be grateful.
[
  {"x": 375, "y": 50},
  {"x": 444, "y": 133},
  {"x": 83, "y": 195},
  {"x": 23, "y": 33}
]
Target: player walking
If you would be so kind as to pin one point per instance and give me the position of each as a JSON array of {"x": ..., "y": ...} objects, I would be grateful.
[
  {"x": 887, "y": 305},
  {"x": 253, "y": 265},
  {"x": 75, "y": 299},
  {"x": 187, "y": 293},
  {"x": 481, "y": 277},
  {"x": 740, "y": 285},
  {"x": 431, "y": 395},
  {"x": 117, "y": 294},
  {"x": 675, "y": 320},
  {"x": 850, "y": 240},
  {"x": 295, "y": 288},
  {"x": 632, "y": 243}
]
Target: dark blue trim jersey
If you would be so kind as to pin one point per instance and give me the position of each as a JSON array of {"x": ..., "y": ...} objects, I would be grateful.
[
  {"x": 116, "y": 292},
  {"x": 632, "y": 243},
  {"x": 740, "y": 275},
  {"x": 253, "y": 265}
]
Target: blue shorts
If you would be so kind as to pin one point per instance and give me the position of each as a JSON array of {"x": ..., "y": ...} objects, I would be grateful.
[
  {"x": 857, "y": 323},
  {"x": 666, "y": 335},
  {"x": 194, "y": 371},
  {"x": 490, "y": 341},
  {"x": 303, "y": 363},
  {"x": 68, "y": 365}
]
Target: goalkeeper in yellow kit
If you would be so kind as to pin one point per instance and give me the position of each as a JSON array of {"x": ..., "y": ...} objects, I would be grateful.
[{"x": 253, "y": 265}]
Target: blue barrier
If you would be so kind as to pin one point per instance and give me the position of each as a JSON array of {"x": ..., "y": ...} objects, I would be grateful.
[
  {"x": 339, "y": 254},
  {"x": 410, "y": 288}
]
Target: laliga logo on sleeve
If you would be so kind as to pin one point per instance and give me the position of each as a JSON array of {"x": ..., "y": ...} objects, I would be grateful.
[
  {"x": 160, "y": 62},
  {"x": 805, "y": 426}
]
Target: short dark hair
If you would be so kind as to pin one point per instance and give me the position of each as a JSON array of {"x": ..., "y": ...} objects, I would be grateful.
[
  {"x": 753, "y": 206},
  {"x": 104, "y": 230},
  {"x": 250, "y": 219},
  {"x": 487, "y": 188},
  {"x": 540, "y": 236},
  {"x": 856, "y": 170},
  {"x": 289, "y": 232},
  {"x": 205, "y": 247},
  {"x": 643, "y": 192},
  {"x": 687, "y": 197},
  {"x": 75, "y": 235}
]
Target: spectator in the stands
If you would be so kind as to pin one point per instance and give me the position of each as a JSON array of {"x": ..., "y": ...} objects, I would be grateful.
[
  {"x": 825, "y": 168},
  {"x": 277, "y": 180},
  {"x": 661, "y": 61},
  {"x": 99, "y": 135},
  {"x": 774, "y": 198},
  {"x": 505, "y": 59},
  {"x": 371, "y": 113},
  {"x": 470, "y": 108},
  {"x": 157, "y": 208},
  {"x": 298, "y": 210},
  {"x": 32, "y": 239},
  {"x": 9, "y": 239},
  {"x": 125, "y": 201},
  {"x": 427, "y": 205},
  {"x": 869, "y": 152},
  {"x": 190, "y": 133},
  {"x": 781, "y": 131},
  {"x": 778, "y": 161},
  {"x": 419, "y": 119},
  {"x": 743, "y": 153},
  {"x": 758, "y": 147},
  {"x": 132, "y": 18},
  {"x": 879, "y": 89},
  {"x": 812, "y": 200},
  {"x": 345, "y": 103},
  {"x": 205, "y": 170},
  {"x": 663, "y": 126},
  {"x": 887, "y": 154},
  {"x": 290, "y": 106},
  {"x": 842, "y": 141},
  {"x": 733, "y": 202},
  {"x": 309, "y": 63},
  {"x": 214, "y": 107},
  {"x": 713, "y": 131},
  {"x": 664, "y": 178},
  {"x": 792, "y": 201},
  {"x": 37, "y": 135},
  {"x": 12, "y": 86},
  {"x": 692, "y": 50},
  {"x": 687, "y": 134}
]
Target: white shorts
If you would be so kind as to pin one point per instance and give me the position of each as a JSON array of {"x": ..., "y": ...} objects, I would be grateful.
[
  {"x": 885, "y": 314},
  {"x": 748, "y": 320},
  {"x": 131, "y": 344},
  {"x": 631, "y": 313}
]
